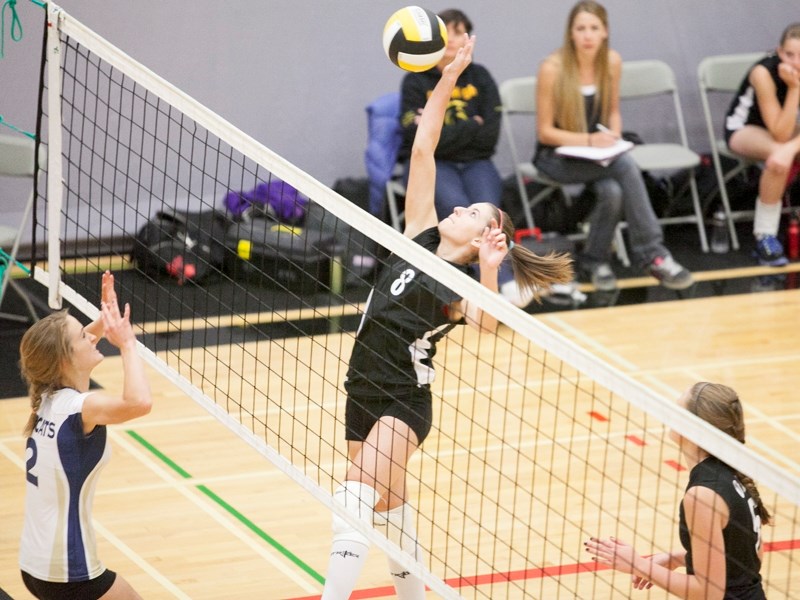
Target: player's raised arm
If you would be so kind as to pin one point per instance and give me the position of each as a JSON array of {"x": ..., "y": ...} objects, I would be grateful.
[{"x": 420, "y": 211}]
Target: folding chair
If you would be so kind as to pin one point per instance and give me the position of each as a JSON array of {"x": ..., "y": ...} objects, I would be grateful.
[
  {"x": 518, "y": 98},
  {"x": 395, "y": 190},
  {"x": 16, "y": 160},
  {"x": 722, "y": 75},
  {"x": 645, "y": 79}
]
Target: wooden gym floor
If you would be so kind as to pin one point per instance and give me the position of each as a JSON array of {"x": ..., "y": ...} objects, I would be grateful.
[{"x": 187, "y": 510}]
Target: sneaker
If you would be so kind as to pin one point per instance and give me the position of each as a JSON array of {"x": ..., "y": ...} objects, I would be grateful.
[
  {"x": 669, "y": 273},
  {"x": 565, "y": 294},
  {"x": 769, "y": 251},
  {"x": 603, "y": 278}
]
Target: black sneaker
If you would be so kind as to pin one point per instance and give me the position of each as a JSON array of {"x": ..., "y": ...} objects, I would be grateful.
[{"x": 669, "y": 273}]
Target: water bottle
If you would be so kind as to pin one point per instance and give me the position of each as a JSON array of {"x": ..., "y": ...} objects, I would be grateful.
[
  {"x": 793, "y": 237},
  {"x": 720, "y": 242}
]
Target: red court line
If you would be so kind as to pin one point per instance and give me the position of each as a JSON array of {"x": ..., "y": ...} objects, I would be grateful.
[
  {"x": 675, "y": 465},
  {"x": 598, "y": 416},
  {"x": 457, "y": 582},
  {"x": 784, "y": 545},
  {"x": 554, "y": 571}
]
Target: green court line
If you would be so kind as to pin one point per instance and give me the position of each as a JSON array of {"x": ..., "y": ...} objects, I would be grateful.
[
  {"x": 262, "y": 534},
  {"x": 164, "y": 458},
  {"x": 230, "y": 509}
]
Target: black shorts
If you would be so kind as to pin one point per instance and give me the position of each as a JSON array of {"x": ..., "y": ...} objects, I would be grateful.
[
  {"x": 91, "y": 589},
  {"x": 415, "y": 410}
]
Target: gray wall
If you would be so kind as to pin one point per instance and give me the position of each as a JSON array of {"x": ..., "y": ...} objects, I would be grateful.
[{"x": 297, "y": 74}]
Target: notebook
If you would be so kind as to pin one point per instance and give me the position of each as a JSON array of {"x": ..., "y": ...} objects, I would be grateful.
[{"x": 602, "y": 155}]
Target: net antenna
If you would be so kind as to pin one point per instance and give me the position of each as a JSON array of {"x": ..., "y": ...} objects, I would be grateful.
[{"x": 537, "y": 443}]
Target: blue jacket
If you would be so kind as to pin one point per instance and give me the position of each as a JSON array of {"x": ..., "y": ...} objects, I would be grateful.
[{"x": 384, "y": 137}]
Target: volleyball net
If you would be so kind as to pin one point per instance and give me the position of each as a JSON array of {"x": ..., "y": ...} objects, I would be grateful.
[{"x": 536, "y": 444}]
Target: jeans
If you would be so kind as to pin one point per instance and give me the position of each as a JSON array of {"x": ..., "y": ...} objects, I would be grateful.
[
  {"x": 620, "y": 191},
  {"x": 464, "y": 183}
]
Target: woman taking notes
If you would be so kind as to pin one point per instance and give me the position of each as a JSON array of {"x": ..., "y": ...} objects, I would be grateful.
[{"x": 578, "y": 105}]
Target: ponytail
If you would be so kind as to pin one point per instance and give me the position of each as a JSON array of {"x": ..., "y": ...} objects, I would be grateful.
[
  {"x": 534, "y": 272},
  {"x": 750, "y": 485},
  {"x": 43, "y": 350}
]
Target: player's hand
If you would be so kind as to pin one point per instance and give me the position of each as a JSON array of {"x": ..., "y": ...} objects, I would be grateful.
[
  {"x": 602, "y": 139},
  {"x": 613, "y": 553},
  {"x": 462, "y": 59},
  {"x": 789, "y": 74},
  {"x": 782, "y": 158},
  {"x": 108, "y": 295},
  {"x": 107, "y": 292},
  {"x": 494, "y": 246},
  {"x": 117, "y": 325}
]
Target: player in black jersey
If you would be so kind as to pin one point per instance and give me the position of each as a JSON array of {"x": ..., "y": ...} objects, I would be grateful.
[
  {"x": 389, "y": 408},
  {"x": 720, "y": 518},
  {"x": 762, "y": 124}
]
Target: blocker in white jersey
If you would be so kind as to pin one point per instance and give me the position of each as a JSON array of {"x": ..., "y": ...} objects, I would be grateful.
[
  {"x": 62, "y": 468},
  {"x": 67, "y": 446}
]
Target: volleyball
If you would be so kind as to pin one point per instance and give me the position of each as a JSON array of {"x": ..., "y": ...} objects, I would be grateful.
[{"x": 414, "y": 39}]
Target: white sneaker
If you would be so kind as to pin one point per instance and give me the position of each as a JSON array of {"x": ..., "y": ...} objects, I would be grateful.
[{"x": 568, "y": 291}]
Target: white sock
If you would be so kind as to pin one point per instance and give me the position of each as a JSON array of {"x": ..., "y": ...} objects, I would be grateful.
[
  {"x": 401, "y": 529},
  {"x": 349, "y": 548},
  {"x": 767, "y": 219}
]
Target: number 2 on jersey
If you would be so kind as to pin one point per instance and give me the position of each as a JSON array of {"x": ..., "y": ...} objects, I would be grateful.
[{"x": 31, "y": 462}]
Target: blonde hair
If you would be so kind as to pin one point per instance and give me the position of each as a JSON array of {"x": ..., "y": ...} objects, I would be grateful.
[
  {"x": 791, "y": 32},
  {"x": 43, "y": 351},
  {"x": 719, "y": 405},
  {"x": 570, "y": 113},
  {"x": 533, "y": 272}
]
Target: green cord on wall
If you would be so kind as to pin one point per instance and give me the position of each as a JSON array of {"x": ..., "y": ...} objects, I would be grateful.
[
  {"x": 16, "y": 35},
  {"x": 17, "y": 129},
  {"x": 16, "y": 25}
]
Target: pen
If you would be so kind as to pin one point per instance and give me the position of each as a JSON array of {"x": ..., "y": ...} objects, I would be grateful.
[{"x": 605, "y": 129}]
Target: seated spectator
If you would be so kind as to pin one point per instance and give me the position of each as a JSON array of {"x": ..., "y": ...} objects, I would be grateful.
[
  {"x": 465, "y": 173},
  {"x": 578, "y": 104},
  {"x": 762, "y": 124}
]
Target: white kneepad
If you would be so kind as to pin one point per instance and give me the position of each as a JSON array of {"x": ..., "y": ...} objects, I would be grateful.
[{"x": 359, "y": 499}]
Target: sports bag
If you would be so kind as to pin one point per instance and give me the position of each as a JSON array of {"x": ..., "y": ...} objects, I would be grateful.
[
  {"x": 281, "y": 256},
  {"x": 185, "y": 246}
]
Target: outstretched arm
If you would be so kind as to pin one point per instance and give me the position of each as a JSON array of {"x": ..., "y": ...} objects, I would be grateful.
[
  {"x": 780, "y": 119},
  {"x": 420, "y": 210},
  {"x": 103, "y": 409},
  {"x": 706, "y": 516}
]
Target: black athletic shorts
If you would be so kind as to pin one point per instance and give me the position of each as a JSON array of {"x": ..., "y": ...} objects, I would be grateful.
[
  {"x": 72, "y": 590},
  {"x": 415, "y": 410}
]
